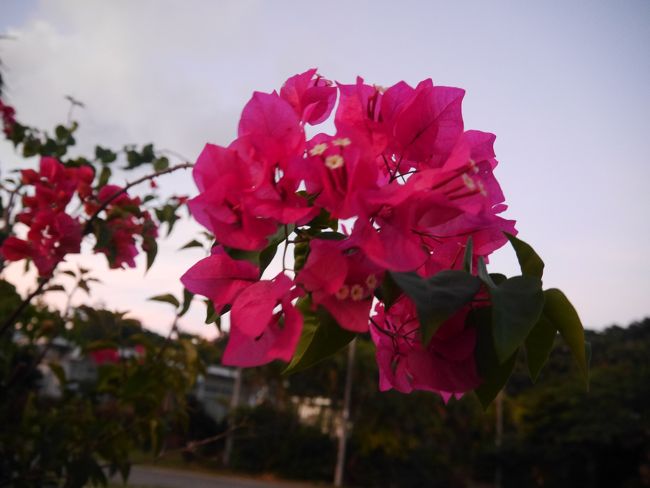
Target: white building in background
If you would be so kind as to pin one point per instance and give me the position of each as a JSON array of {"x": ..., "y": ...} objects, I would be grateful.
[{"x": 214, "y": 390}]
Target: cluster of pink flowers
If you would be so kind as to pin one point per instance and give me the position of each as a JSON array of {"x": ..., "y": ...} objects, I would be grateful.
[
  {"x": 53, "y": 232},
  {"x": 8, "y": 115},
  {"x": 411, "y": 185},
  {"x": 125, "y": 220}
]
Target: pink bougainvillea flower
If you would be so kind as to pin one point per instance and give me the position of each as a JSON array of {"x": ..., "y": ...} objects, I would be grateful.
[
  {"x": 8, "y": 115},
  {"x": 446, "y": 366},
  {"x": 220, "y": 277},
  {"x": 52, "y": 233},
  {"x": 339, "y": 172},
  {"x": 50, "y": 238},
  {"x": 54, "y": 186},
  {"x": 124, "y": 221},
  {"x": 227, "y": 186},
  {"x": 272, "y": 126},
  {"x": 428, "y": 126},
  {"x": 259, "y": 333},
  {"x": 341, "y": 279},
  {"x": 358, "y": 114},
  {"x": 393, "y": 235},
  {"x": 311, "y": 96}
]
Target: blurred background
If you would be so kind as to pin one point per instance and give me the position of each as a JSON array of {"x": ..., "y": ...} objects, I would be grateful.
[{"x": 564, "y": 86}]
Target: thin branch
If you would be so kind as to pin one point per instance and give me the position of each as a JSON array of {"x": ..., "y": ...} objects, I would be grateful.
[
  {"x": 107, "y": 202},
  {"x": 23, "y": 305}
]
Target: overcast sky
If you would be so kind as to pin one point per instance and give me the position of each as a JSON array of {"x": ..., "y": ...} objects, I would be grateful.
[{"x": 563, "y": 84}]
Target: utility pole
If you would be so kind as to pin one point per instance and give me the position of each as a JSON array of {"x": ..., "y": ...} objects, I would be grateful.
[
  {"x": 234, "y": 403},
  {"x": 498, "y": 438},
  {"x": 345, "y": 417}
]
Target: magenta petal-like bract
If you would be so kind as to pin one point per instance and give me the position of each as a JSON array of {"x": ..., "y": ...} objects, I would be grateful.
[
  {"x": 258, "y": 334},
  {"x": 220, "y": 278},
  {"x": 278, "y": 341}
]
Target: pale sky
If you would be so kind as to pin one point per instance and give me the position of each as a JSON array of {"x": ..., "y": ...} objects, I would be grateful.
[{"x": 563, "y": 84}]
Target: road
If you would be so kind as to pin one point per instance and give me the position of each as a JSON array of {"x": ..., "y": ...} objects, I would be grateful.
[{"x": 154, "y": 477}]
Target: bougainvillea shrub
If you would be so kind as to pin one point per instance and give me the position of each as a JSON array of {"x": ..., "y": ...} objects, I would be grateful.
[{"x": 390, "y": 222}]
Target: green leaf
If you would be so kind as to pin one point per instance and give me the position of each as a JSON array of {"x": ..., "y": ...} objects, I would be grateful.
[
  {"x": 517, "y": 304},
  {"x": 322, "y": 221},
  {"x": 300, "y": 253},
  {"x": 483, "y": 273},
  {"x": 494, "y": 372},
  {"x": 211, "y": 315},
  {"x": 187, "y": 301},
  {"x": 321, "y": 337},
  {"x": 61, "y": 132},
  {"x": 439, "y": 297},
  {"x": 161, "y": 163},
  {"x": 539, "y": 344},
  {"x": 531, "y": 264},
  {"x": 104, "y": 176},
  {"x": 147, "y": 153},
  {"x": 250, "y": 256},
  {"x": 497, "y": 278},
  {"x": 151, "y": 249},
  {"x": 167, "y": 298},
  {"x": 564, "y": 317},
  {"x": 467, "y": 257},
  {"x": 267, "y": 255},
  {"x": 133, "y": 159},
  {"x": 106, "y": 156},
  {"x": 388, "y": 292},
  {"x": 192, "y": 243}
]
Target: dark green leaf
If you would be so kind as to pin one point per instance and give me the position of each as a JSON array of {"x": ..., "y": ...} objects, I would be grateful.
[
  {"x": 564, "y": 317},
  {"x": 133, "y": 159},
  {"x": 192, "y": 243},
  {"x": 497, "y": 278},
  {"x": 321, "y": 337},
  {"x": 106, "y": 156},
  {"x": 210, "y": 314},
  {"x": 61, "y": 132},
  {"x": 439, "y": 297},
  {"x": 483, "y": 273},
  {"x": 494, "y": 373},
  {"x": 161, "y": 163},
  {"x": 147, "y": 155},
  {"x": 531, "y": 264},
  {"x": 151, "y": 249},
  {"x": 538, "y": 345},
  {"x": 167, "y": 298},
  {"x": 517, "y": 304},
  {"x": 300, "y": 253},
  {"x": 267, "y": 255},
  {"x": 388, "y": 292},
  {"x": 468, "y": 256},
  {"x": 104, "y": 176},
  {"x": 250, "y": 256},
  {"x": 187, "y": 301}
]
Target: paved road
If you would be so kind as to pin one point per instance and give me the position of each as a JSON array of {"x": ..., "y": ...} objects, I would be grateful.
[{"x": 154, "y": 477}]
